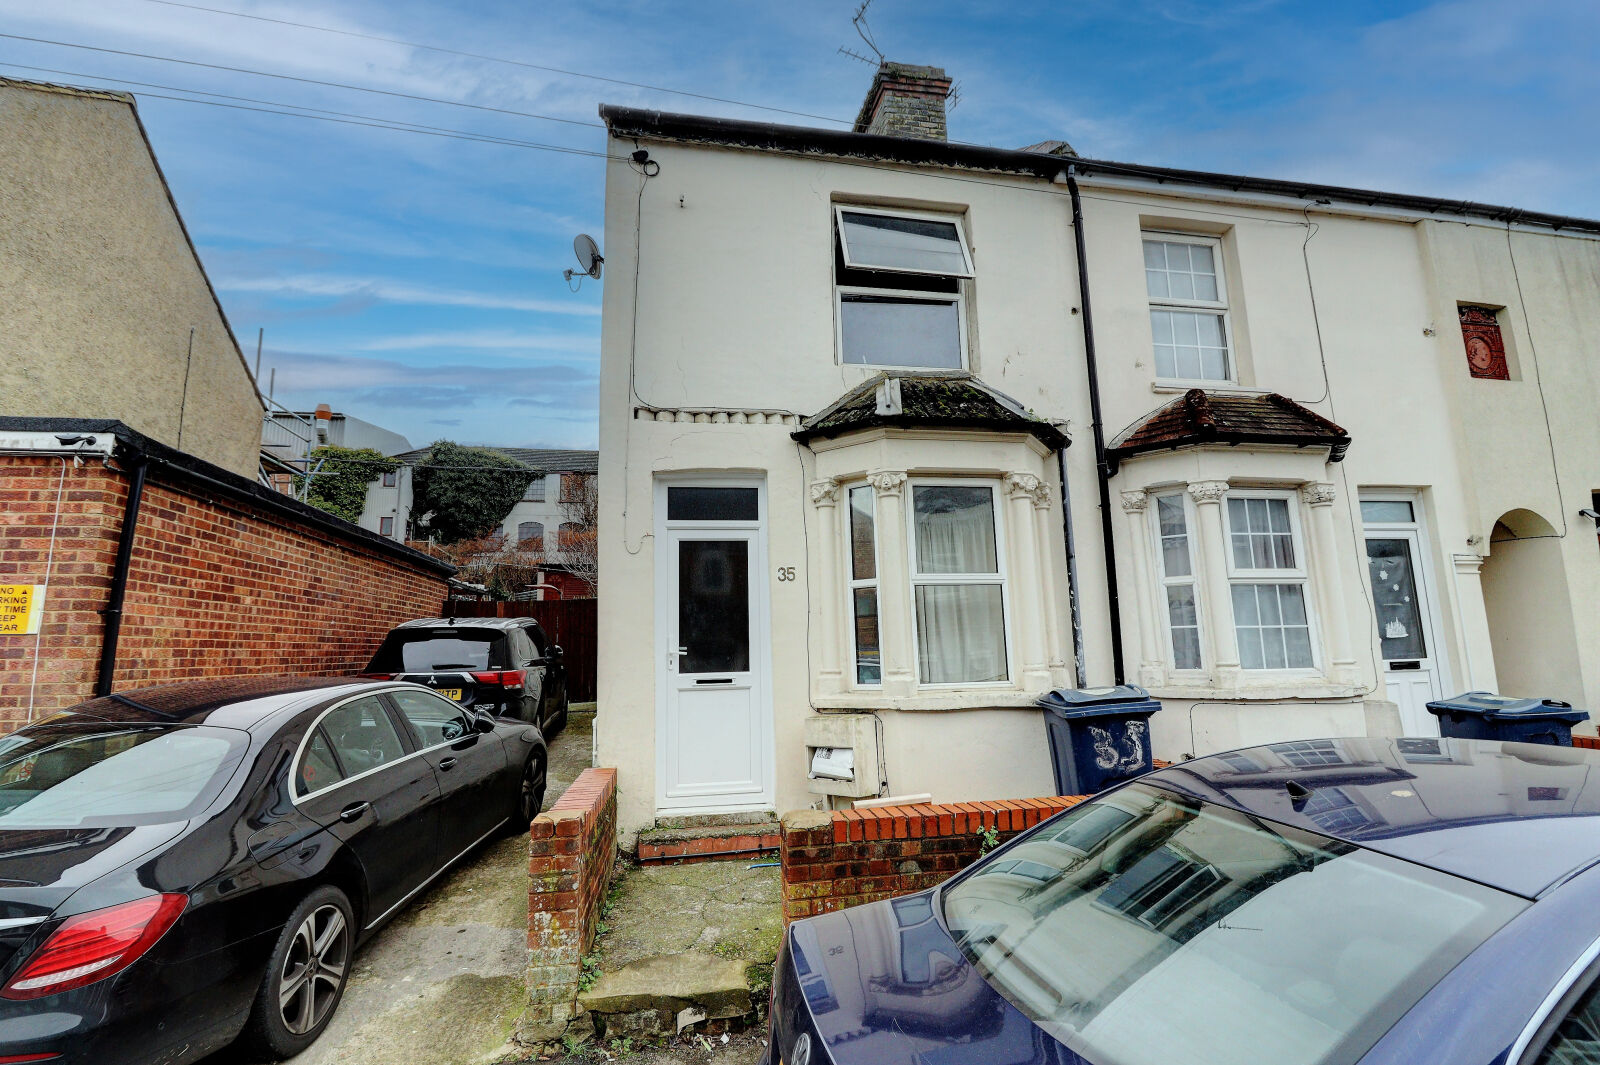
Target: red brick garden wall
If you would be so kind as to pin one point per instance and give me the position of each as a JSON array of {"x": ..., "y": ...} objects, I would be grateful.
[
  {"x": 572, "y": 852},
  {"x": 848, "y": 858},
  {"x": 216, "y": 587}
]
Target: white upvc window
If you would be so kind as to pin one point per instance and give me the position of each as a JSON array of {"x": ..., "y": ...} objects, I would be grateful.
[
  {"x": 1267, "y": 581},
  {"x": 899, "y": 288},
  {"x": 1188, "y": 307},
  {"x": 862, "y": 534},
  {"x": 1175, "y": 565},
  {"x": 958, "y": 584}
]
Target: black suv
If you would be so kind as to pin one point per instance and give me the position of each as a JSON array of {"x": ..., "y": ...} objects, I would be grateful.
[{"x": 506, "y": 666}]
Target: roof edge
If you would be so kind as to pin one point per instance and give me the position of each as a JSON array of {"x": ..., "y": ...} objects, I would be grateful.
[{"x": 766, "y": 136}]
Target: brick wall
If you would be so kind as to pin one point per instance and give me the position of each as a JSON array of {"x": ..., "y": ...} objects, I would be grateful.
[
  {"x": 847, "y": 858},
  {"x": 572, "y": 852},
  {"x": 217, "y": 587}
]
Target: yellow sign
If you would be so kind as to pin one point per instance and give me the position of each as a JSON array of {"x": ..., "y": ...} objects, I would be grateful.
[{"x": 21, "y": 608}]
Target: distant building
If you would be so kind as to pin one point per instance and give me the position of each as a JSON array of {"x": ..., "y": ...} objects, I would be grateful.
[
  {"x": 288, "y": 438},
  {"x": 105, "y": 308}
]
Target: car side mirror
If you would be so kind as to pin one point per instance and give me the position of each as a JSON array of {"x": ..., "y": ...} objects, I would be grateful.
[
  {"x": 556, "y": 651},
  {"x": 483, "y": 721}
]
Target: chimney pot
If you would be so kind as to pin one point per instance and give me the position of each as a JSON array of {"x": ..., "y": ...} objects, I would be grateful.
[{"x": 906, "y": 101}]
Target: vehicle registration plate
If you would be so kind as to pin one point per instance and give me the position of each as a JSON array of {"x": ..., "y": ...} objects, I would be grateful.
[{"x": 450, "y": 693}]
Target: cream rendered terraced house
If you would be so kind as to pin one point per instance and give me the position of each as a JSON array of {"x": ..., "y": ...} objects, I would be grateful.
[{"x": 852, "y": 490}]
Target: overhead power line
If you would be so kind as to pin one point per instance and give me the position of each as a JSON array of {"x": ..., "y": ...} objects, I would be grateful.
[
  {"x": 398, "y": 124},
  {"x": 305, "y": 81},
  {"x": 501, "y": 59},
  {"x": 271, "y": 107}
]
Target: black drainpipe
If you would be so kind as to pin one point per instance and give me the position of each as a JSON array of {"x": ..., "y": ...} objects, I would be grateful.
[
  {"x": 1102, "y": 467},
  {"x": 119, "y": 578}
]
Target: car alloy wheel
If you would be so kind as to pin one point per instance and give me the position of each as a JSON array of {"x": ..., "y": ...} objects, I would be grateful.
[{"x": 314, "y": 969}]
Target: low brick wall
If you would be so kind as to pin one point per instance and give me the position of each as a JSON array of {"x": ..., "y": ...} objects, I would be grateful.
[
  {"x": 572, "y": 850},
  {"x": 847, "y": 858}
]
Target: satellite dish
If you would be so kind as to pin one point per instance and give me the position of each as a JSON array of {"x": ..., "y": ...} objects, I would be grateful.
[{"x": 589, "y": 257}]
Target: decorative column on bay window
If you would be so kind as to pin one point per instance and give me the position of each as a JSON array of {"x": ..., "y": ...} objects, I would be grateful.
[
  {"x": 894, "y": 584},
  {"x": 1217, "y": 595},
  {"x": 1152, "y": 671},
  {"x": 1319, "y": 496},
  {"x": 1045, "y": 530},
  {"x": 825, "y": 497},
  {"x": 1024, "y": 491}
]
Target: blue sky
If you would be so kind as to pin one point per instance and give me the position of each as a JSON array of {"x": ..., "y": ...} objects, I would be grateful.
[{"x": 415, "y": 281}]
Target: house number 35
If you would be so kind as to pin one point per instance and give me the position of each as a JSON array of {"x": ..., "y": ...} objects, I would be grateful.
[{"x": 786, "y": 573}]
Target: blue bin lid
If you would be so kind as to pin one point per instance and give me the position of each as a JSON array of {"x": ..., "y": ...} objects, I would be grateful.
[
  {"x": 1493, "y": 707},
  {"x": 1098, "y": 702}
]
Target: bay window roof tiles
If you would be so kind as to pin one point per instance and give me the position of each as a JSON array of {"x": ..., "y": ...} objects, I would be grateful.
[
  {"x": 940, "y": 400},
  {"x": 1199, "y": 417}
]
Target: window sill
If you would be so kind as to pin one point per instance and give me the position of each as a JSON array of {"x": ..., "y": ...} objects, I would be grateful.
[
  {"x": 1165, "y": 387},
  {"x": 943, "y": 699},
  {"x": 1265, "y": 690}
]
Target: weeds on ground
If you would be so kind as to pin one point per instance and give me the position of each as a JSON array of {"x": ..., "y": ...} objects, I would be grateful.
[
  {"x": 622, "y": 1048},
  {"x": 990, "y": 840},
  {"x": 589, "y": 971}
]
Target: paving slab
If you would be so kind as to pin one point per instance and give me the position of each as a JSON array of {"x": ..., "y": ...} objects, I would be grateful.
[{"x": 445, "y": 982}]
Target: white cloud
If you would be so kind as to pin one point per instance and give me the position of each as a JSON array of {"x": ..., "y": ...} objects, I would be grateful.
[{"x": 336, "y": 287}]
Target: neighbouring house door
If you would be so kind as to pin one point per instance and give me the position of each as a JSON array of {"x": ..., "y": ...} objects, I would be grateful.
[
  {"x": 715, "y": 740},
  {"x": 1403, "y": 601}
]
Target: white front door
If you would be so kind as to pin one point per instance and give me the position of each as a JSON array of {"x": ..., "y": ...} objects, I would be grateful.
[
  {"x": 714, "y": 747},
  {"x": 1402, "y": 597}
]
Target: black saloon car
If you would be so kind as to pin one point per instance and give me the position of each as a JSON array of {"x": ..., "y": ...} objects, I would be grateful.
[
  {"x": 183, "y": 865},
  {"x": 504, "y": 666}
]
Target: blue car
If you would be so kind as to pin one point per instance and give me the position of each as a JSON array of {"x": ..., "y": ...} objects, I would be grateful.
[{"x": 1321, "y": 902}]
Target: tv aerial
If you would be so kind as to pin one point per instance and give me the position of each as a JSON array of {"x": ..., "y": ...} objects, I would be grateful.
[{"x": 589, "y": 259}]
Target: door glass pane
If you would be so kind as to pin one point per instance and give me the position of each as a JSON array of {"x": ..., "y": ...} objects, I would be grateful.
[
  {"x": 362, "y": 735},
  {"x": 960, "y": 633},
  {"x": 317, "y": 767},
  {"x": 1388, "y": 510},
  {"x": 714, "y": 606},
  {"x": 1394, "y": 596},
  {"x": 886, "y": 242},
  {"x": 869, "y": 669},
  {"x": 899, "y": 331},
  {"x": 863, "y": 552},
  {"x": 1577, "y": 1038},
  {"x": 695, "y": 503},
  {"x": 436, "y": 719},
  {"x": 955, "y": 529}
]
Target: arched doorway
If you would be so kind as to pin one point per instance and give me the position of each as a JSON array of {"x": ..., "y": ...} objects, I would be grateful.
[{"x": 1529, "y": 606}]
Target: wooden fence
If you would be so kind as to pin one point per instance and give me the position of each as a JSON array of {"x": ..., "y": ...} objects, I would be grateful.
[{"x": 569, "y": 622}]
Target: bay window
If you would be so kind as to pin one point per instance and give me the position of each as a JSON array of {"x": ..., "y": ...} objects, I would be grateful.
[
  {"x": 1267, "y": 582},
  {"x": 899, "y": 282},
  {"x": 957, "y": 584},
  {"x": 1176, "y": 559},
  {"x": 864, "y": 587}
]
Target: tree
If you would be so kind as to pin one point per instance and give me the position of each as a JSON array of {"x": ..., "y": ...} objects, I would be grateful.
[
  {"x": 580, "y": 546},
  {"x": 339, "y": 477},
  {"x": 503, "y": 566},
  {"x": 461, "y": 493}
]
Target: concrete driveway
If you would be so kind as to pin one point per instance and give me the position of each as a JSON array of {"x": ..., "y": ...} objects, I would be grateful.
[{"x": 443, "y": 984}]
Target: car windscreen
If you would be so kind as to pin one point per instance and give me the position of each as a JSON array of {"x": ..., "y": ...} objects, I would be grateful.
[
  {"x": 1144, "y": 927},
  {"x": 103, "y": 775},
  {"x": 428, "y": 650}
]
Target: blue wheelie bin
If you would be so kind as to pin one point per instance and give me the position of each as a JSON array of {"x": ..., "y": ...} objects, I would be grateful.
[
  {"x": 1487, "y": 716},
  {"x": 1098, "y": 736}
]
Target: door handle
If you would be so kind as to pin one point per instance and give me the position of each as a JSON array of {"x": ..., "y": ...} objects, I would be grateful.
[
  {"x": 354, "y": 811},
  {"x": 447, "y": 763}
]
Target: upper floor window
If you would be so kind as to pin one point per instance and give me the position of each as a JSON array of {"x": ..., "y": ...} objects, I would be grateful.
[
  {"x": 573, "y": 487},
  {"x": 899, "y": 283},
  {"x": 385, "y": 526},
  {"x": 1188, "y": 307},
  {"x": 530, "y": 535},
  {"x": 1486, "y": 346},
  {"x": 391, "y": 478},
  {"x": 535, "y": 492}
]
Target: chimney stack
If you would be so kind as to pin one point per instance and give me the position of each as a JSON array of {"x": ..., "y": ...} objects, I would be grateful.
[{"x": 905, "y": 101}]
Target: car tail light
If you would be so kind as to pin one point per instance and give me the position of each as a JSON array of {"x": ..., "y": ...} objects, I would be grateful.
[
  {"x": 95, "y": 945},
  {"x": 9, "y": 1059},
  {"x": 376, "y": 676},
  {"x": 506, "y": 678}
]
